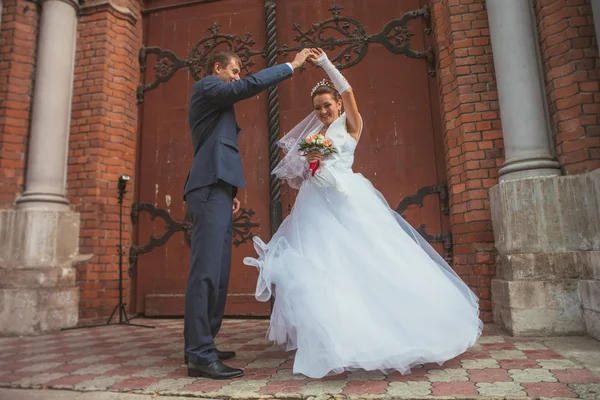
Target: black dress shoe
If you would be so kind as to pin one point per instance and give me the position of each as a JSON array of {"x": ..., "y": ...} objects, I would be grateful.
[
  {"x": 225, "y": 355},
  {"x": 222, "y": 355},
  {"x": 215, "y": 370}
]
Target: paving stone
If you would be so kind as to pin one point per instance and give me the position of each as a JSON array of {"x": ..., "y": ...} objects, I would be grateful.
[
  {"x": 454, "y": 389},
  {"x": 361, "y": 375},
  {"x": 274, "y": 388},
  {"x": 39, "y": 379},
  {"x": 366, "y": 387},
  {"x": 169, "y": 385},
  {"x": 266, "y": 363},
  {"x": 316, "y": 388},
  {"x": 530, "y": 346},
  {"x": 508, "y": 355},
  {"x": 480, "y": 364},
  {"x": 448, "y": 375},
  {"x": 155, "y": 372},
  {"x": 490, "y": 339},
  {"x": 242, "y": 388},
  {"x": 518, "y": 364},
  {"x": 549, "y": 390},
  {"x": 587, "y": 391},
  {"x": 575, "y": 376},
  {"x": 287, "y": 375},
  {"x": 98, "y": 383},
  {"x": 409, "y": 389},
  {"x": 531, "y": 375},
  {"x": 558, "y": 364},
  {"x": 39, "y": 367},
  {"x": 500, "y": 389},
  {"x": 97, "y": 369},
  {"x": 489, "y": 375}
]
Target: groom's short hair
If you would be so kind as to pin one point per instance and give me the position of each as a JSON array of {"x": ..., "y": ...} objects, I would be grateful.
[{"x": 222, "y": 57}]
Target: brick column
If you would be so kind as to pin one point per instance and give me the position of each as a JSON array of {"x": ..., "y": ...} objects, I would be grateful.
[
  {"x": 18, "y": 38},
  {"x": 572, "y": 73},
  {"x": 472, "y": 135},
  {"x": 103, "y": 144}
]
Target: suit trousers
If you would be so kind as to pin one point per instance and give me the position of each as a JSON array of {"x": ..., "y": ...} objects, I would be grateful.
[{"x": 210, "y": 262}]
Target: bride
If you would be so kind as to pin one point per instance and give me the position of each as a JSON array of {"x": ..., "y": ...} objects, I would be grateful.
[{"x": 355, "y": 286}]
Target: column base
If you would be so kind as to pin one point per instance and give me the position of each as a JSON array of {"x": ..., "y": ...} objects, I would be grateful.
[
  {"x": 589, "y": 291},
  {"x": 538, "y": 294},
  {"x": 530, "y": 167},
  {"x": 46, "y": 201},
  {"x": 38, "y": 287},
  {"x": 547, "y": 233}
]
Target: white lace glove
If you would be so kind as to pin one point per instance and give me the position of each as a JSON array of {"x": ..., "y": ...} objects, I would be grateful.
[{"x": 338, "y": 80}]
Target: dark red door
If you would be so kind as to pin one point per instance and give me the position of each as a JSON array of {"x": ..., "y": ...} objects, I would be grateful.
[{"x": 400, "y": 151}]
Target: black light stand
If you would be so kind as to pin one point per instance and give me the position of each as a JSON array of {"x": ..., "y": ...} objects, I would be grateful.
[{"x": 123, "y": 317}]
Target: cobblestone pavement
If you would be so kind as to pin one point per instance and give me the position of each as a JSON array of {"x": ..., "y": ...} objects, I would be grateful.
[{"x": 149, "y": 361}]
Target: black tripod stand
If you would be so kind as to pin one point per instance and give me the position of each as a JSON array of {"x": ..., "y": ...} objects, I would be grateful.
[{"x": 123, "y": 317}]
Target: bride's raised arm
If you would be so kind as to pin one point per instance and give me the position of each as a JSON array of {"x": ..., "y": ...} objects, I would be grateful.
[{"x": 353, "y": 119}]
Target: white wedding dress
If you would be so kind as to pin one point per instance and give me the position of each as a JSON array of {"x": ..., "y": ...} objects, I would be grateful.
[{"x": 355, "y": 286}]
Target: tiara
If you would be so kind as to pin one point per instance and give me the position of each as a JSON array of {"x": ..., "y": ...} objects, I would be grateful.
[{"x": 321, "y": 84}]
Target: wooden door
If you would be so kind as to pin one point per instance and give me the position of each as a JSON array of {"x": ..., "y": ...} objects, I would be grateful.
[
  {"x": 173, "y": 32},
  {"x": 382, "y": 47}
]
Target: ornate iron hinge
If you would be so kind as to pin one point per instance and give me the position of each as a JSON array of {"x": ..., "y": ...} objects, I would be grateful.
[
  {"x": 352, "y": 40},
  {"x": 442, "y": 190},
  {"x": 242, "y": 226}
]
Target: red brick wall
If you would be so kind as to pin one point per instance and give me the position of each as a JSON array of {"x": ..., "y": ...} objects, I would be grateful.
[
  {"x": 472, "y": 135},
  {"x": 17, "y": 67},
  {"x": 572, "y": 72},
  {"x": 102, "y": 147}
]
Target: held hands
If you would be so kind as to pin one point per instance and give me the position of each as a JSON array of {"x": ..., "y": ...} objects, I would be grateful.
[
  {"x": 315, "y": 56},
  {"x": 300, "y": 59}
]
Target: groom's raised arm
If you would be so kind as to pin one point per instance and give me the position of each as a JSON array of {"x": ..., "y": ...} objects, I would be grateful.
[{"x": 225, "y": 94}]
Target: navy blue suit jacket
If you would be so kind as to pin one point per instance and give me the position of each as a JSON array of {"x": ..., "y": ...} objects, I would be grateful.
[{"x": 211, "y": 118}]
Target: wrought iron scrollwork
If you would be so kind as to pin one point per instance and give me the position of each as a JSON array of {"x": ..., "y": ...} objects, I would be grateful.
[
  {"x": 355, "y": 40},
  {"x": 347, "y": 34},
  {"x": 169, "y": 63},
  {"x": 445, "y": 238},
  {"x": 442, "y": 191},
  {"x": 242, "y": 226}
]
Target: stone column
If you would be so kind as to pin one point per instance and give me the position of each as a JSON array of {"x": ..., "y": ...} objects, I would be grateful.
[
  {"x": 546, "y": 226},
  {"x": 39, "y": 241},
  {"x": 51, "y": 115},
  {"x": 596, "y": 13},
  {"x": 521, "y": 96}
]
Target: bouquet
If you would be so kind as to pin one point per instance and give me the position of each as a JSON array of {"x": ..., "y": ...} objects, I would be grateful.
[{"x": 317, "y": 142}]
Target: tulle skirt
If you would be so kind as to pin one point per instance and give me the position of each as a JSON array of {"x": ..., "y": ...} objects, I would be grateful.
[{"x": 356, "y": 287}]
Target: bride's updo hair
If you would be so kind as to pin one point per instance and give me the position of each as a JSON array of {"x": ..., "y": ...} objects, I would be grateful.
[{"x": 325, "y": 87}]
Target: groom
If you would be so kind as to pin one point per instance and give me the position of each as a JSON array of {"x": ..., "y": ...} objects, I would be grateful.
[{"x": 210, "y": 193}]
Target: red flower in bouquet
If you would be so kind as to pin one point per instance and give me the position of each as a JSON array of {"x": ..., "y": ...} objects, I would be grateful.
[{"x": 317, "y": 142}]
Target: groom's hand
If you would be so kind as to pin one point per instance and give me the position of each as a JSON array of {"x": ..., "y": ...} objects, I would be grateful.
[
  {"x": 300, "y": 58},
  {"x": 236, "y": 206}
]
